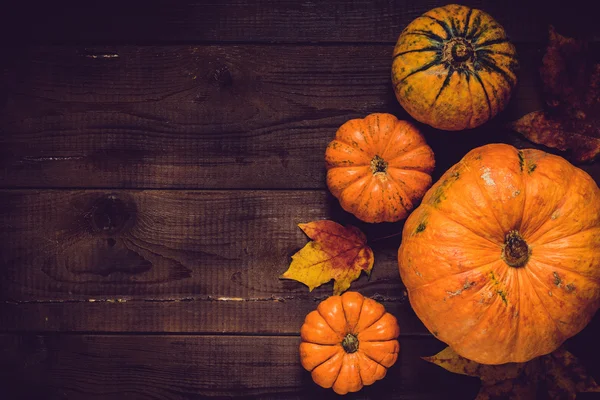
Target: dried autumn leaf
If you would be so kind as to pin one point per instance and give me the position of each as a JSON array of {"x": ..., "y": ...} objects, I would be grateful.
[
  {"x": 571, "y": 118},
  {"x": 565, "y": 376},
  {"x": 335, "y": 252},
  {"x": 563, "y": 135},
  {"x": 560, "y": 373}
]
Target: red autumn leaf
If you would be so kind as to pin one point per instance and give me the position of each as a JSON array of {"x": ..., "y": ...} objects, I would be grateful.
[
  {"x": 571, "y": 118},
  {"x": 335, "y": 252}
]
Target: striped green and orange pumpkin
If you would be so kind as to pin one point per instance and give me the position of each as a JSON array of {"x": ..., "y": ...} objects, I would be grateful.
[{"x": 454, "y": 68}]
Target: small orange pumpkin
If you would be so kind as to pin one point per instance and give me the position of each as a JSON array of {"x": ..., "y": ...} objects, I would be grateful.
[
  {"x": 454, "y": 68},
  {"x": 348, "y": 342},
  {"x": 378, "y": 167},
  {"x": 502, "y": 258}
]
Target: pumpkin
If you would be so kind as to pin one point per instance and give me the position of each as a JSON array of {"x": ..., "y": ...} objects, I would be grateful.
[
  {"x": 348, "y": 342},
  {"x": 502, "y": 258},
  {"x": 454, "y": 68},
  {"x": 378, "y": 167}
]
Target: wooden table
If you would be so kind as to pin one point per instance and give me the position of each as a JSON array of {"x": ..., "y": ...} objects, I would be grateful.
[{"x": 156, "y": 160}]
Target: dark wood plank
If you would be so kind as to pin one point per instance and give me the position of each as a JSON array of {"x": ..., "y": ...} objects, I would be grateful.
[
  {"x": 184, "y": 367},
  {"x": 268, "y": 20},
  {"x": 205, "y": 117},
  {"x": 268, "y": 316},
  {"x": 168, "y": 261}
]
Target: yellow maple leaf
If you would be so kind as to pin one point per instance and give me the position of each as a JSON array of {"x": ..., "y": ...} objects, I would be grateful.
[
  {"x": 560, "y": 373},
  {"x": 335, "y": 252}
]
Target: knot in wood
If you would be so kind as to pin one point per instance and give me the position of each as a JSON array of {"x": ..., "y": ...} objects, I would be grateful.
[
  {"x": 110, "y": 215},
  {"x": 223, "y": 76}
]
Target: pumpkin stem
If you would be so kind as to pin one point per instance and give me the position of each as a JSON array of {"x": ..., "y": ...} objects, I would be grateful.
[
  {"x": 515, "y": 251},
  {"x": 457, "y": 51},
  {"x": 378, "y": 164},
  {"x": 460, "y": 52},
  {"x": 350, "y": 343}
]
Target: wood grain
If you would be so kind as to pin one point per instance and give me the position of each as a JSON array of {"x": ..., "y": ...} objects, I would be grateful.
[
  {"x": 224, "y": 117},
  {"x": 286, "y": 21},
  {"x": 184, "y": 367},
  {"x": 215, "y": 315},
  {"x": 169, "y": 261}
]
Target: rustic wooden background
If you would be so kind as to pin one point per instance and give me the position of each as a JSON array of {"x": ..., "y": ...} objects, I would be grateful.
[{"x": 155, "y": 160}]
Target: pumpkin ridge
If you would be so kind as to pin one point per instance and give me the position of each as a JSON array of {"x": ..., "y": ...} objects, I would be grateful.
[
  {"x": 356, "y": 178},
  {"x": 403, "y": 155},
  {"x": 401, "y": 192},
  {"x": 533, "y": 238},
  {"x": 428, "y": 35},
  {"x": 467, "y": 22},
  {"x": 501, "y": 53},
  {"x": 563, "y": 237},
  {"x": 517, "y": 278},
  {"x": 357, "y": 363},
  {"x": 530, "y": 274},
  {"x": 353, "y": 146},
  {"x": 489, "y": 202},
  {"x": 453, "y": 274},
  {"x": 482, "y": 319},
  {"x": 327, "y": 359},
  {"x": 523, "y": 190},
  {"x": 487, "y": 97},
  {"x": 434, "y": 63},
  {"x": 413, "y": 144},
  {"x": 365, "y": 195},
  {"x": 556, "y": 294},
  {"x": 344, "y": 309},
  {"x": 416, "y": 51},
  {"x": 468, "y": 78},
  {"x": 569, "y": 270},
  {"x": 475, "y": 28},
  {"x": 371, "y": 358},
  {"x": 357, "y": 318},
  {"x": 442, "y": 24},
  {"x": 352, "y": 207},
  {"x": 491, "y": 42},
  {"x": 373, "y": 323},
  {"x": 445, "y": 215},
  {"x": 491, "y": 65},
  {"x": 533, "y": 234},
  {"x": 453, "y": 27},
  {"x": 337, "y": 373},
  {"x": 449, "y": 74},
  {"x": 367, "y": 138}
]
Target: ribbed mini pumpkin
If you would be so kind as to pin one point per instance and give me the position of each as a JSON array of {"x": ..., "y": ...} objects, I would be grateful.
[
  {"x": 378, "y": 167},
  {"x": 502, "y": 258},
  {"x": 454, "y": 68},
  {"x": 349, "y": 342}
]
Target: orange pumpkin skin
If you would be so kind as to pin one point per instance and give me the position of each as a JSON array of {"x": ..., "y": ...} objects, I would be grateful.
[
  {"x": 454, "y": 68},
  {"x": 502, "y": 258},
  {"x": 378, "y": 167},
  {"x": 348, "y": 342}
]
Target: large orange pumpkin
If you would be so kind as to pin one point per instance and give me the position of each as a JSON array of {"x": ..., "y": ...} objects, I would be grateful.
[
  {"x": 348, "y": 342},
  {"x": 454, "y": 68},
  {"x": 378, "y": 167},
  {"x": 502, "y": 258}
]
